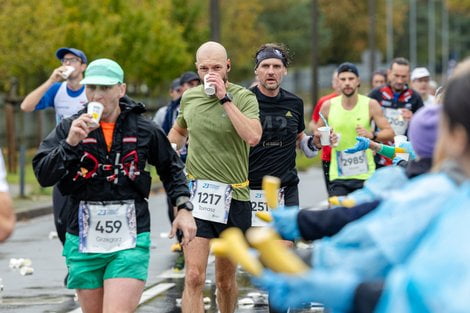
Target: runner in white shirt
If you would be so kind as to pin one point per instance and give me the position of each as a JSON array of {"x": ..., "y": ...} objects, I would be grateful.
[{"x": 64, "y": 93}]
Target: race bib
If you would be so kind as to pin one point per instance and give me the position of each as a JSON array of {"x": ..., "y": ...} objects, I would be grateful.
[
  {"x": 258, "y": 204},
  {"x": 351, "y": 164},
  {"x": 211, "y": 200},
  {"x": 107, "y": 226},
  {"x": 396, "y": 120}
]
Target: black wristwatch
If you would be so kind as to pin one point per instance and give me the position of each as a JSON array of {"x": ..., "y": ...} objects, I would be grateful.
[
  {"x": 184, "y": 203},
  {"x": 227, "y": 98}
]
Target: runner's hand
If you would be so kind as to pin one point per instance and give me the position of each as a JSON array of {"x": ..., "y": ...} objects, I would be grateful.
[
  {"x": 184, "y": 221},
  {"x": 80, "y": 129},
  {"x": 361, "y": 131},
  {"x": 56, "y": 75},
  {"x": 218, "y": 83},
  {"x": 406, "y": 114},
  {"x": 362, "y": 144}
]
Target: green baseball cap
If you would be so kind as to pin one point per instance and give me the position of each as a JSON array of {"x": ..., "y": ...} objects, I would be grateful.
[{"x": 103, "y": 72}]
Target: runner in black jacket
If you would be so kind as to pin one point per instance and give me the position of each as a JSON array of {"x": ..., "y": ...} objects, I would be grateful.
[{"x": 101, "y": 166}]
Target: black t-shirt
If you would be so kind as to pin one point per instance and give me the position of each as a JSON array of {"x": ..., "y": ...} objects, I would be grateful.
[{"x": 282, "y": 118}]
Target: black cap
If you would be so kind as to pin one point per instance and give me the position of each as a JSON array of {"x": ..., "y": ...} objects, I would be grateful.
[
  {"x": 348, "y": 67},
  {"x": 189, "y": 76}
]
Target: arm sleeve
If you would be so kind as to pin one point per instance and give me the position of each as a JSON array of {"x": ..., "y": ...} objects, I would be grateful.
[
  {"x": 55, "y": 155},
  {"x": 314, "y": 225},
  {"x": 47, "y": 101},
  {"x": 168, "y": 165}
]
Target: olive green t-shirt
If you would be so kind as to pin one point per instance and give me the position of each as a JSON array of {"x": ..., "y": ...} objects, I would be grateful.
[{"x": 216, "y": 151}]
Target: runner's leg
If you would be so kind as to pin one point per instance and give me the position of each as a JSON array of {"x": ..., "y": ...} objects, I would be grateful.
[
  {"x": 195, "y": 254},
  {"x": 91, "y": 300},
  {"x": 227, "y": 289},
  {"x": 122, "y": 295}
]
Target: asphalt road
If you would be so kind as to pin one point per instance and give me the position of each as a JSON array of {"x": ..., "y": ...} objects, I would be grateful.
[{"x": 43, "y": 291}]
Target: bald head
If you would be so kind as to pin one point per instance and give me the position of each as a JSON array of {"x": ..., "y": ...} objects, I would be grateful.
[
  {"x": 211, "y": 50},
  {"x": 212, "y": 57}
]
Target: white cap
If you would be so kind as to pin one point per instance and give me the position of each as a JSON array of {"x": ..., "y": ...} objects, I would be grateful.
[{"x": 420, "y": 72}]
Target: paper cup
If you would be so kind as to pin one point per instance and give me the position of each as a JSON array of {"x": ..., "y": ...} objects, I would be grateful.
[
  {"x": 68, "y": 70},
  {"x": 398, "y": 140},
  {"x": 324, "y": 135},
  {"x": 209, "y": 88},
  {"x": 95, "y": 109}
]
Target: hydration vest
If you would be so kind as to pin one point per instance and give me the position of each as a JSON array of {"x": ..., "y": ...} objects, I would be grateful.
[{"x": 119, "y": 171}]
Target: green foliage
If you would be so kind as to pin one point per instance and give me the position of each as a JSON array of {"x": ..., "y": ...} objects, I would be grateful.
[{"x": 141, "y": 35}]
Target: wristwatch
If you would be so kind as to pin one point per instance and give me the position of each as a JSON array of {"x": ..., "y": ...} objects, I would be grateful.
[
  {"x": 184, "y": 203},
  {"x": 227, "y": 98}
]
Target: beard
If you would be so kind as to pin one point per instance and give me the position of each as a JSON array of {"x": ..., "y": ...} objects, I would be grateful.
[
  {"x": 350, "y": 93},
  {"x": 270, "y": 86}
]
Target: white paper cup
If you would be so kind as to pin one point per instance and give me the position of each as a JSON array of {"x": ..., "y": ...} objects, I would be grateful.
[
  {"x": 68, "y": 70},
  {"x": 324, "y": 135},
  {"x": 95, "y": 109},
  {"x": 209, "y": 88},
  {"x": 398, "y": 140}
]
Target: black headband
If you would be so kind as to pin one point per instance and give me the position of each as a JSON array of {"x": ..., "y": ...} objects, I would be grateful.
[{"x": 270, "y": 53}]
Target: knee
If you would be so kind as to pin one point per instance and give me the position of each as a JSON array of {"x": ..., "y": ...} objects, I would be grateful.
[
  {"x": 194, "y": 278},
  {"x": 226, "y": 284}
]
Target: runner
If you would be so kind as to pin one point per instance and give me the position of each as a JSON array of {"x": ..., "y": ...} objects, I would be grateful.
[
  {"x": 420, "y": 81},
  {"x": 282, "y": 117},
  {"x": 326, "y": 151},
  {"x": 351, "y": 115},
  {"x": 64, "y": 93},
  {"x": 379, "y": 79},
  {"x": 7, "y": 216},
  {"x": 103, "y": 172},
  {"x": 397, "y": 100},
  {"x": 221, "y": 128}
]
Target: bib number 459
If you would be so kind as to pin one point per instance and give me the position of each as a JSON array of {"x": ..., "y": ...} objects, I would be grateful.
[{"x": 108, "y": 227}]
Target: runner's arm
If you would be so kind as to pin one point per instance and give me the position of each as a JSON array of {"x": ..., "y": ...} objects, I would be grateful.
[
  {"x": 32, "y": 99},
  {"x": 7, "y": 216},
  {"x": 178, "y": 135},
  {"x": 54, "y": 154},
  {"x": 247, "y": 128},
  {"x": 386, "y": 132}
]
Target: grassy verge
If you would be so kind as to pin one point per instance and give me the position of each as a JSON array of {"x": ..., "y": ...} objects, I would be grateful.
[{"x": 303, "y": 163}]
